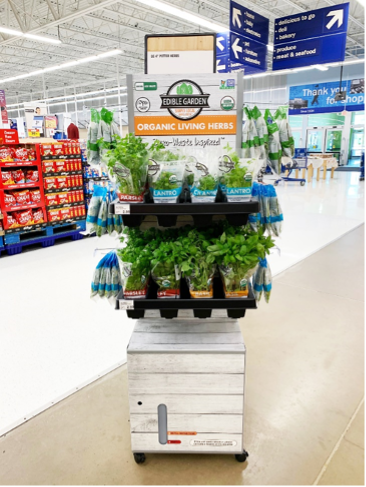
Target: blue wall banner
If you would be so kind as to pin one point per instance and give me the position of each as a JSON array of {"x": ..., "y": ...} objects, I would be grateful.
[
  {"x": 319, "y": 98},
  {"x": 313, "y": 37}
]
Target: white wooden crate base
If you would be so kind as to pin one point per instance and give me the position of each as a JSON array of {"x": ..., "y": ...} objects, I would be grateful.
[{"x": 197, "y": 370}]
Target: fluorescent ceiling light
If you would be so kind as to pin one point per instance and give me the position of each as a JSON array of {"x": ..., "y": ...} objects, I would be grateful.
[
  {"x": 12, "y": 32},
  {"x": 183, "y": 14},
  {"x": 270, "y": 47},
  {"x": 320, "y": 67},
  {"x": 88, "y": 59},
  {"x": 260, "y": 75}
]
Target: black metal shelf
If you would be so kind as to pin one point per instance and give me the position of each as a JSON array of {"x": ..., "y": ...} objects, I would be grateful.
[
  {"x": 133, "y": 214},
  {"x": 202, "y": 308}
]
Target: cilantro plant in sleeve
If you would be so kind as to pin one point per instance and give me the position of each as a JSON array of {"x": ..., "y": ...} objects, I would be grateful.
[
  {"x": 127, "y": 164},
  {"x": 205, "y": 180},
  {"x": 166, "y": 180},
  {"x": 236, "y": 253},
  {"x": 236, "y": 178}
]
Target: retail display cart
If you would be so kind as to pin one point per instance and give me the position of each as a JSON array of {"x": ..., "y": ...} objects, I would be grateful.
[
  {"x": 186, "y": 376},
  {"x": 186, "y": 387}
]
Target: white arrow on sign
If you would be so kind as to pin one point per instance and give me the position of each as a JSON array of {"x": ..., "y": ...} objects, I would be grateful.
[
  {"x": 337, "y": 15},
  {"x": 236, "y": 20},
  {"x": 236, "y": 48},
  {"x": 218, "y": 43},
  {"x": 219, "y": 67}
]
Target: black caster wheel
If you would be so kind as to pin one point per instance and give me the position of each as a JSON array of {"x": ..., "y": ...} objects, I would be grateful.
[
  {"x": 242, "y": 458},
  {"x": 362, "y": 179},
  {"x": 139, "y": 458},
  {"x": 302, "y": 183}
]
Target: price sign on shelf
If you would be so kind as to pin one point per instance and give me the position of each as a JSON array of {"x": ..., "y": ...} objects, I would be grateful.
[
  {"x": 126, "y": 304},
  {"x": 122, "y": 209}
]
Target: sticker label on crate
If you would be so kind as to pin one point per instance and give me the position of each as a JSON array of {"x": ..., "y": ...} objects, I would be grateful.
[
  {"x": 126, "y": 304},
  {"x": 213, "y": 443},
  {"x": 121, "y": 209}
]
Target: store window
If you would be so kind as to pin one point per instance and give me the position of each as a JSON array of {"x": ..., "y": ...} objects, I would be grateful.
[
  {"x": 325, "y": 119},
  {"x": 358, "y": 118},
  {"x": 295, "y": 121}
]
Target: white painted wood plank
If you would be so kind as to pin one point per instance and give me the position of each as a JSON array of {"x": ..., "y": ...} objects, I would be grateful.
[
  {"x": 212, "y": 443},
  {"x": 185, "y": 338},
  {"x": 171, "y": 363},
  {"x": 186, "y": 383},
  {"x": 187, "y": 348},
  {"x": 189, "y": 403},
  {"x": 196, "y": 423},
  {"x": 187, "y": 326}
]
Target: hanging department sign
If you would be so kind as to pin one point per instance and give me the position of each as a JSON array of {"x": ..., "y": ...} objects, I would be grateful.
[{"x": 198, "y": 110}]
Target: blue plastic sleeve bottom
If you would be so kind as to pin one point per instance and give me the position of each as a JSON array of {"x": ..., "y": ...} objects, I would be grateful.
[
  {"x": 267, "y": 287},
  {"x": 258, "y": 287}
]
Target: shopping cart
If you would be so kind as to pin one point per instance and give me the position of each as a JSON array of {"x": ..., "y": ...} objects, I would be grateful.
[{"x": 299, "y": 162}]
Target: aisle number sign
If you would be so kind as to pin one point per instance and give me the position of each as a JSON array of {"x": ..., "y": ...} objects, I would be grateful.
[
  {"x": 194, "y": 110},
  {"x": 313, "y": 37}
]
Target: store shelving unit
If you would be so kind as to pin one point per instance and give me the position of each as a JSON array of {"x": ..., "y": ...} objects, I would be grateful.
[{"x": 7, "y": 210}]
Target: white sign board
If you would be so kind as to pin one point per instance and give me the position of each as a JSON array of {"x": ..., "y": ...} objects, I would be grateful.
[{"x": 197, "y": 110}]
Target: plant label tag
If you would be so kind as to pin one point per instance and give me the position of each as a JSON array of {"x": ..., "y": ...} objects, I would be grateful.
[
  {"x": 121, "y": 209},
  {"x": 126, "y": 304}
]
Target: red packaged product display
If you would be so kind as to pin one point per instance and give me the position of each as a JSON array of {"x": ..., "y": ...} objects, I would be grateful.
[
  {"x": 51, "y": 199},
  {"x": 47, "y": 149},
  {"x": 58, "y": 149},
  {"x": 48, "y": 166},
  {"x": 53, "y": 215},
  {"x": 62, "y": 182},
  {"x": 35, "y": 195},
  {"x": 18, "y": 176},
  {"x": 63, "y": 198},
  {"x": 60, "y": 166},
  {"x": 9, "y": 199},
  {"x": 50, "y": 183},
  {"x": 64, "y": 213},
  {"x": 7, "y": 178},
  {"x": 32, "y": 154},
  {"x": 22, "y": 197},
  {"x": 6, "y": 154},
  {"x": 21, "y": 154},
  {"x": 31, "y": 176},
  {"x": 24, "y": 217},
  {"x": 11, "y": 220},
  {"x": 38, "y": 216}
]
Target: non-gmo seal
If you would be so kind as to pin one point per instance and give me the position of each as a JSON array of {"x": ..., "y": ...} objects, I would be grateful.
[
  {"x": 227, "y": 103},
  {"x": 142, "y": 104}
]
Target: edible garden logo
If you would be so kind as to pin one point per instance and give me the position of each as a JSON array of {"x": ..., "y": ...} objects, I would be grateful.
[{"x": 185, "y": 100}]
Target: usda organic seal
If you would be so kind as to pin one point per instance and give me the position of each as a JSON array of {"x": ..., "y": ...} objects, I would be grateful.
[{"x": 227, "y": 103}]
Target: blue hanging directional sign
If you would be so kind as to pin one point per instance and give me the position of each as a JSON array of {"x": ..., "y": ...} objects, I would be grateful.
[
  {"x": 318, "y": 50},
  {"x": 248, "y": 52},
  {"x": 314, "y": 37},
  {"x": 224, "y": 64},
  {"x": 248, "y": 23},
  {"x": 315, "y": 23},
  {"x": 249, "y": 33}
]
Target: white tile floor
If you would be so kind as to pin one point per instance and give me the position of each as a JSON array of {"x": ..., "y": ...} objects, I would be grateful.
[{"x": 54, "y": 339}]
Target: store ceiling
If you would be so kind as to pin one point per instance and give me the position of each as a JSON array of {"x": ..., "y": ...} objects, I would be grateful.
[{"x": 88, "y": 27}]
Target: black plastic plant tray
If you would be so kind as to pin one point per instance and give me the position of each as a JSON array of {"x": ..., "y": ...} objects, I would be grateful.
[
  {"x": 202, "y": 308},
  {"x": 202, "y": 213}
]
